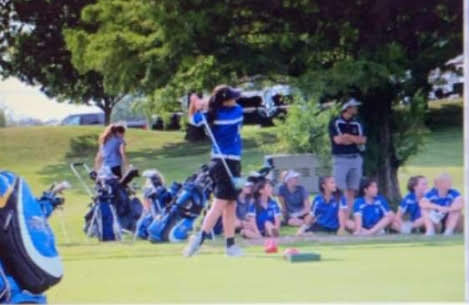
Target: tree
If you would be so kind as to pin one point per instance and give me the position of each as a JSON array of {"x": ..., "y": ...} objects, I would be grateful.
[
  {"x": 3, "y": 119},
  {"x": 379, "y": 51},
  {"x": 32, "y": 48}
]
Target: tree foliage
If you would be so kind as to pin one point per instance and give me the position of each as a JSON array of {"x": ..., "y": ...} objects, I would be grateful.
[
  {"x": 378, "y": 51},
  {"x": 32, "y": 49}
]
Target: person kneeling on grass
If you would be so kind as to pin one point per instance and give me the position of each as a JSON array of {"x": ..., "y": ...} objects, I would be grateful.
[
  {"x": 264, "y": 214},
  {"x": 371, "y": 211},
  {"x": 324, "y": 216},
  {"x": 409, "y": 205},
  {"x": 293, "y": 198},
  {"x": 442, "y": 207}
]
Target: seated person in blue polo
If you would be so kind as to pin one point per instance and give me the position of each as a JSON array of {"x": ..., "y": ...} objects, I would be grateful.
[
  {"x": 371, "y": 211},
  {"x": 410, "y": 208},
  {"x": 294, "y": 199},
  {"x": 265, "y": 213},
  {"x": 243, "y": 206},
  {"x": 442, "y": 207},
  {"x": 324, "y": 215}
]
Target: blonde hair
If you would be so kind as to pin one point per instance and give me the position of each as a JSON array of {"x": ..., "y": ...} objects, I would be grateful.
[
  {"x": 111, "y": 130},
  {"x": 442, "y": 177}
]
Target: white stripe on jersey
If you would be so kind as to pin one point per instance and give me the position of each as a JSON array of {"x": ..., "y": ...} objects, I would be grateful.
[
  {"x": 228, "y": 122},
  {"x": 229, "y": 157}
]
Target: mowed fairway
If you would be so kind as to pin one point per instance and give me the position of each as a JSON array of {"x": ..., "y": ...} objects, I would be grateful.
[{"x": 377, "y": 270}]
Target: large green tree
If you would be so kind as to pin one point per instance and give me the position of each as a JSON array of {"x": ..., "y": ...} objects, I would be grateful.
[
  {"x": 32, "y": 49},
  {"x": 380, "y": 51}
]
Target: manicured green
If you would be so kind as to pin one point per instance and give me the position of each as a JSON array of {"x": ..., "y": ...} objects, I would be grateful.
[{"x": 376, "y": 270}]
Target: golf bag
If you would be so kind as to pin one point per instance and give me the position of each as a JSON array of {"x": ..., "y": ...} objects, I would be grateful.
[
  {"x": 159, "y": 197},
  {"x": 114, "y": 209},
  {"x": 177, "y": 221},
  {"x": 128, "y": 206},
  {"x": 29, "y": 260}
]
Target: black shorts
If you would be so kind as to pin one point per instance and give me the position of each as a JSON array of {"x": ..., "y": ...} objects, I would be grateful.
[
  {"x": 224, "y": 188},
  {"x": 318, "y": 228},
  {"x": 116, "y": 170}
]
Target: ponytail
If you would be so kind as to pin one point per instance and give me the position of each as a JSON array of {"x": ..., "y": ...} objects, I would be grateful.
[{"x": 109, "y": 131}]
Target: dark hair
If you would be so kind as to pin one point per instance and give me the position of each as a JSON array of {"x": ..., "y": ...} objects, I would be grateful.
[
  {"x": 322, "y": 180},
  {"x": 109, "y": 131},
  {"x": 257, "y": 192},
  {"x": 412, "y": 183},
  {"x": 219, "y": 95},
  {"x": 364, "y": 184}
]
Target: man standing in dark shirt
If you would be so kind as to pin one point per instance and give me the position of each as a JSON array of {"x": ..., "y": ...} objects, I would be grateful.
[{"x": 348, "y": 144}]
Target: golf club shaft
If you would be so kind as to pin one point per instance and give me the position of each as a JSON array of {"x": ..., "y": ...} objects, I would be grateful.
[{"x": 214, "y": 142}]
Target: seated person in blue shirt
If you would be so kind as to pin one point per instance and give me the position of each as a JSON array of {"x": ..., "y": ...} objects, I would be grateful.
[
  {"x": 264, "y": 214},
  {"x": 324, "y": 215},
  {"x": 371, "y": 211},
  {"x": 409, "y": 206},
  {"x": 442, "y": 207},
  {"x": 294, "y": 199},
  {"x": 243, "y": 204}
]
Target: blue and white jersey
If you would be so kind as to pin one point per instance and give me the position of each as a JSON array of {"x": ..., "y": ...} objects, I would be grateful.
[
  {"x": 243, "y": 207},
  {"x": 445, "y": 201},
  {"x": 226, "y": 130},
  {"x": 371, "y": 213},
  {"x": 327, "y": 212},
  {"x": 262, "y": 215},
  {"x": 410, "y": 206}
]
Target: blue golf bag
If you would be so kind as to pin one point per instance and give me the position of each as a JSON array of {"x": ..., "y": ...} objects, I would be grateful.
[
  {"x": 29, "y": 261},
  {"x": 115, "y": 208},
  {"x": 177, "y": 221},
  {"x": 160, "y": 198},
  {"x": 101, "y": 219}
]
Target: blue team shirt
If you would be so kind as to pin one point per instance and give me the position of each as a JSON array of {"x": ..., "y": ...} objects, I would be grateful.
[
  {"x": 226, "y": 130},
  {"x": 410, "y": 205},
  {"x": 446, "y": 201},
  {"x": 371, "y": 213},
  {"x": 263, "y": 215},
  {"x": 295, "y": 202},
  {"x": 326, "y": 213},
  {"x": 243, "y": 208}
]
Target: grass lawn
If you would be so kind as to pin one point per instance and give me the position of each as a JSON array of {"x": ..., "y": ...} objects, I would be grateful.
[{"x": 378, "y": 270}]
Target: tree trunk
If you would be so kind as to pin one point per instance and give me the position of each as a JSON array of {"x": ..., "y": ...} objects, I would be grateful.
[
  {"x": 387, "y": 166},
  {"x": 107, "y": 115}
]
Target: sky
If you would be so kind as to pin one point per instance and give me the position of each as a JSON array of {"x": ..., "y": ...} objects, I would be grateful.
[{"x": 25, "y": 101}]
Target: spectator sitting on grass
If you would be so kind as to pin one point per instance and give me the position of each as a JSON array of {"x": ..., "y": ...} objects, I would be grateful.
[
  {"x": 264, "y": 214},
  {"x": 371, "y": 211},
  {"x": 293, "y": 198},
  {"x": 417, "y": 186},
  {"x": 324, "y": 216},
  {"x": 243, "y": 205},
  {"x": 442, "y": 207}
]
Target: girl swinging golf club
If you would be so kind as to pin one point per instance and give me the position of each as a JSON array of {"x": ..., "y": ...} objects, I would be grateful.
[{"x": 222, "y": 118}]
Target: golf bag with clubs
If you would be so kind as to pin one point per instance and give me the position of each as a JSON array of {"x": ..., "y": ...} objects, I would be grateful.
[
  {"x": 158, "y": 197},
  {"x": 177, "y": 221},
  {"x": 114, "y": 208},
  {"x": 29, "y": 261}
]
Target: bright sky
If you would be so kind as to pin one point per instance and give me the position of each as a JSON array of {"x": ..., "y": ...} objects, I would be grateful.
[{"x": 28, "y": 101}]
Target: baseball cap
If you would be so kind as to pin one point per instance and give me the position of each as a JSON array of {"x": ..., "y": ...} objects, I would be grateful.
[
  {"x": 229, "y": 93},
  {"x": 290, "y": 174},
  {"x": 351, "y": 103}
]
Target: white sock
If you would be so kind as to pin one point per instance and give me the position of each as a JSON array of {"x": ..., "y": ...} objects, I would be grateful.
[{"x": 448, "y": 232}]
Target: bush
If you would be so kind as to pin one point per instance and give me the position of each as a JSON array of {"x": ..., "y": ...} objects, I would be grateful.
[
  {"x": 83, "y": 146},
  {"x": 305, "y": 129}
]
